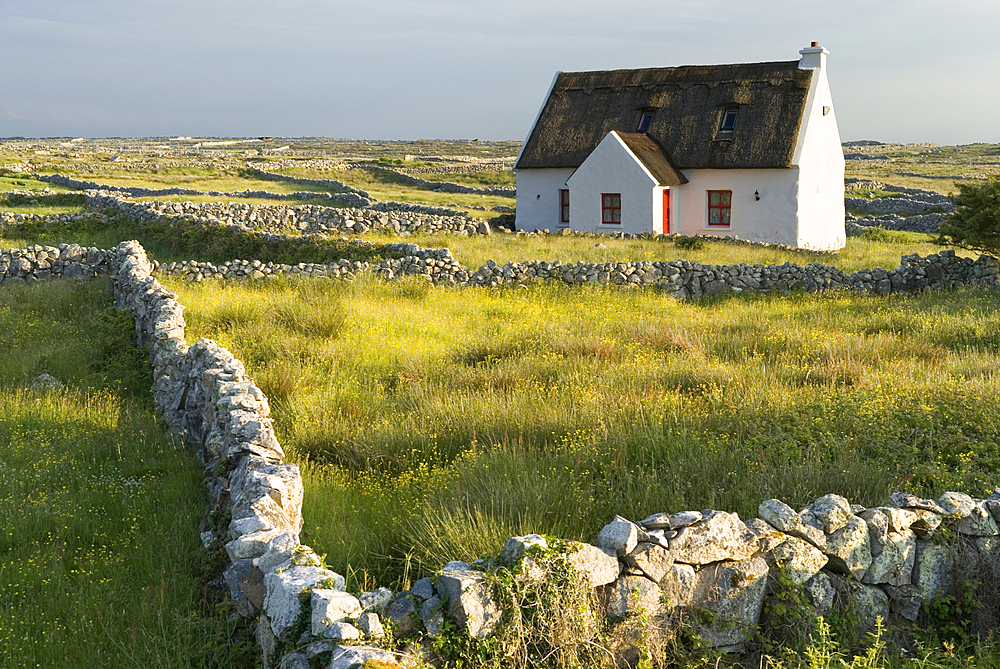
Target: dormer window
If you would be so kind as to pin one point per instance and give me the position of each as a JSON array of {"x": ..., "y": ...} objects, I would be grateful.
[
  {"x": 729, "y": 120},
  {"x": 645, "y": 122}
]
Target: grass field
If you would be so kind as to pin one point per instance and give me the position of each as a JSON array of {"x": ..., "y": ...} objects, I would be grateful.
[
  {"x": 100, "y": 563},
  {"x": 433, "y": 423}
]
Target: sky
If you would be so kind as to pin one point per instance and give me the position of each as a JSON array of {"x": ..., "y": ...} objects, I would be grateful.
[{"x": 900, "y": 70}]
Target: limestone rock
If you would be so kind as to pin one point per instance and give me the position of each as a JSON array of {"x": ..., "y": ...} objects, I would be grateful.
[
  {"x": 341, "y": 631},
  {"x": 620, "y": 536},
  {"x": 849, "y": 548},
  {"x": 332, "y": 606},
  {"x": 370, "y": 625},
  {"x": 820, "y": 593},
  {"x": 905, "y": 500},
  {"x": 798, "y": 559},
  {"x": 900, "y": 520},
  {"x": 351, "y": 657},
  {"x": 904, "y": 600},
  {"x": 678, "y": 584},
  {"x": 423, "y": 589},
  {"x": 978, "y": 523},
  {"x": 767, "y": 536},
  {"x": 926, "y": 522},
  {"x": 516, "y": 547},
  {"x": 734, "y": 593},
  {"x": 657, "y": 521},
  {"x": 432, "y": 616},
  {"x": 878, "y": 528},
  {"x": 956, "y": 504},
  {"x": 599, "y": 565},
  {"x": 283, "y": 587},
  {"x": 782, "y": 517},
  {"x": 375, "y": 600},
  {"x": 632, "y": 595},
  {"x": 721, "y": 536},
  {"x": 931, "y": 572},
  {"x": 469, "y": 603},
  {"x": 652, "y": 560},
  {"x": 402, "y": 612},
  {"x": 832, "y": 512},
  {"x": 894, "y": 562}
]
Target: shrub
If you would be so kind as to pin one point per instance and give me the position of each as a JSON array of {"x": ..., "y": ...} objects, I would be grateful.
[{"x": 975, "y": 223}]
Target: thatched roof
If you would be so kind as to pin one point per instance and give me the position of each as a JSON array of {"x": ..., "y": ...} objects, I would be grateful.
[{"x": 687, "y": 103}]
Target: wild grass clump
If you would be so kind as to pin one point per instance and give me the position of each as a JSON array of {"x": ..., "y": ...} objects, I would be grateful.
[{"x": 100, "y": 561}]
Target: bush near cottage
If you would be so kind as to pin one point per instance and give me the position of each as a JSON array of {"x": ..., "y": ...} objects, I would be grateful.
[{"x": 975, "y": 223}]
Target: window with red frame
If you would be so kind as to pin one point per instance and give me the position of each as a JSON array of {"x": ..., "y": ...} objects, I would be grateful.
[
  {"x": 564, "y": 205},
  {"x": 720, "y": 204},
  {"x": 611, "y": 208}
]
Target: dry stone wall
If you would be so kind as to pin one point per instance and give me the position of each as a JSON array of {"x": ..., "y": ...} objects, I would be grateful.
[
  {"x": 881, "y": 561},
  {"x": 353, "y": 198}
]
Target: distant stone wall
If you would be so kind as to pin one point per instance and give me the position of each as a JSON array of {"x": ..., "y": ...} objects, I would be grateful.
[
  {"x": 311, "y": 219},
  {"x": 352, "y": 199},
  {"x": 444, "y": 186}
]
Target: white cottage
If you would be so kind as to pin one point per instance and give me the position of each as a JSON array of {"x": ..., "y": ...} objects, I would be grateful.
[{"x": 747, "y": 150}]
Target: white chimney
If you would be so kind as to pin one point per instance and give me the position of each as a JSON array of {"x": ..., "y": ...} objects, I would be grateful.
[{"x": 813, "y": 57}]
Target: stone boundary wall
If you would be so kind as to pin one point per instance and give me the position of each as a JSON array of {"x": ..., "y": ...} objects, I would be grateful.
[
  {"x": 309, "y": 219},
  {"x": 324, "y": 183},
  {"x": 683, "y": 279},
  {"x": 443, "y": 186},
  {"x": 351, "y": 199},
  {"x": 878, "y": 561}
]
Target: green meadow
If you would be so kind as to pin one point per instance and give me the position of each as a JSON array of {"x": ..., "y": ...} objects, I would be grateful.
[{"x": 433, "y": 423}]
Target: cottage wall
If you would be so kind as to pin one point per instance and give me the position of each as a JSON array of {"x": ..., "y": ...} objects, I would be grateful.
[
  {"x": 538, "y": 197},
  {"x": 821, "y": 165},
  {"x": 611, "y": 168},
  {"x": 772, "y": 219}
]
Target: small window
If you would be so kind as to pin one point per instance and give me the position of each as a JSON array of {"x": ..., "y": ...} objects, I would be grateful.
[
  {"x": 719, "y": 208},
  {"x": 729, "y": 120},
  {"x": 645, "y": 122},
  {"x": 564, "y": 205},
  {"x": 611, "y": 208}
]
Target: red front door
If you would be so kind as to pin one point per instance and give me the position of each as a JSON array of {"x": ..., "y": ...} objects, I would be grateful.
[{"x": 666, "y": 211}]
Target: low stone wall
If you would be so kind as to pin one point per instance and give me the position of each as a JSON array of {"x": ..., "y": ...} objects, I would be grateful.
[
  {"x": 332, "y": 184},
  {"x": 42, "y": 263},
  {"x": 926, "y": 223},
  {"x": 683, "y": 279},
  {"x": 350, "y": 199},
  {"x": 444, "y": 186},
  {"x": 278, "y": 219}
]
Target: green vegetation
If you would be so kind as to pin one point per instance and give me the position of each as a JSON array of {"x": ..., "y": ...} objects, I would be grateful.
[
  {"x": 975, "y": 223},
  {"x": 99, "y": 558},
  {"x": 431, "y": 424}
]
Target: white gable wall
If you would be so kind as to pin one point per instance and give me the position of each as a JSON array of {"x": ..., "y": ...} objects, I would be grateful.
[
  {"x": 538, "y": 197},
  {"x": 821, "y": 163},
  {"x": 612, "y": 168},
  {"x": 771, "y": 219}
]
